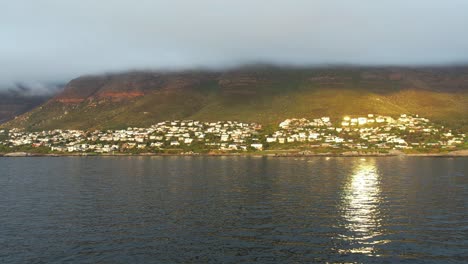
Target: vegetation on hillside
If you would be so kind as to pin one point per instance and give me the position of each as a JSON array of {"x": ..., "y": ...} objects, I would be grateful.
[{"x": 266, "y": 95}]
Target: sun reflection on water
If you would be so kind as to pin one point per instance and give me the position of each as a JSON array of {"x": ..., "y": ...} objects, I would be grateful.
[{"x": 361, "y": 210}]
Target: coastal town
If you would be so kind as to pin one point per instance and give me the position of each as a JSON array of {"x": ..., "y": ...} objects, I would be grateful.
[{"x": 351, "y": 133}]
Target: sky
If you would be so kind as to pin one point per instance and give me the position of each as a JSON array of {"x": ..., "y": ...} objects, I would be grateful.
[{"x": 44, "y": 41}]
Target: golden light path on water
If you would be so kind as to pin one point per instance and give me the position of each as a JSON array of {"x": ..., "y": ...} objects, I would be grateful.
[{"x": 360, "y": 208}]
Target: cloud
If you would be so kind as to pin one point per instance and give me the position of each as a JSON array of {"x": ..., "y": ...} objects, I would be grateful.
[
  {"x": 56, "y": 40},
  {"x": 31, "y": 89}
]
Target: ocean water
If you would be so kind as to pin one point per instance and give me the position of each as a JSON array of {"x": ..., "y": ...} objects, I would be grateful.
[{"x": 233, "y": 210}]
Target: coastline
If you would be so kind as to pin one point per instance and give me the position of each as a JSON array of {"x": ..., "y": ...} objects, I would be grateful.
[{"x": 458, "y": 153}]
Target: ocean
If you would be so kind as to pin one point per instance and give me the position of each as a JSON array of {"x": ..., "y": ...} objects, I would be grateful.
[{"x": 233, "y": 210}]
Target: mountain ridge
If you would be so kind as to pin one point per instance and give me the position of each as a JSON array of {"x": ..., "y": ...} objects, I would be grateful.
[{"x": 265, "y": 94}]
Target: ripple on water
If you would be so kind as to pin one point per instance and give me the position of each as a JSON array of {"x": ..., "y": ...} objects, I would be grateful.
[{"x": 231, "y": 210}]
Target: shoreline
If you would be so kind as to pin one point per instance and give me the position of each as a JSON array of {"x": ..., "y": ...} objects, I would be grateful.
[{"x": 459, "y": 153}]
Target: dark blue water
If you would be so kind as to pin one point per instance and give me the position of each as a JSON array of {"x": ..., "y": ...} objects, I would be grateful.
[{"x": 233, "y": 209}]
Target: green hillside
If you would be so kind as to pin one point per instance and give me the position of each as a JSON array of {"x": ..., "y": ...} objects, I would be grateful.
[{"x": 264, "y": 94}]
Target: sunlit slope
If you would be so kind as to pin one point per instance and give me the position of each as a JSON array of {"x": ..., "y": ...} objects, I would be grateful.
[
  {"x": 339, "y": 102},
  {"x": 265, "y": 95}
]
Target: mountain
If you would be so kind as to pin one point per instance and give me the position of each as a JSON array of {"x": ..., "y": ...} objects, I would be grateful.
[
  {"x": 265, "y": 94},
  {"x": 14, "y": 102}
]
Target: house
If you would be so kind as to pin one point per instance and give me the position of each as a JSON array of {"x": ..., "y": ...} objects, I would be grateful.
[
  {"x": 232, "y": 147},
  {"x": 257, "y": 146},
  {"x": 156, "y": 144},
  {"x": 338, "y": 140},
  {"x": 285, "y": 124},
  {"x": 314, "y": 136},
  {"x": 71, "y": 148},
  {"x": 380, "y": 119},
  {"x": 362, "y": 120}
]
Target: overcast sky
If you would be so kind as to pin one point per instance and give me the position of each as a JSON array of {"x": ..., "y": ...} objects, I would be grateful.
[{"x": 56, "y": 40}]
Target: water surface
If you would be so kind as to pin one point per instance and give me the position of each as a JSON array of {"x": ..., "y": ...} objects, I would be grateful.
[{"x": 233, "y": 209}]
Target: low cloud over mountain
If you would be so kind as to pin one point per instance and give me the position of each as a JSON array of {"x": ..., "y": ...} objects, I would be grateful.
[{"x": 22, "y": 97}]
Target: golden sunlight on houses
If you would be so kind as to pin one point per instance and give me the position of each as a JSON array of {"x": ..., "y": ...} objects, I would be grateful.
[{"x": 352, "y": 132}]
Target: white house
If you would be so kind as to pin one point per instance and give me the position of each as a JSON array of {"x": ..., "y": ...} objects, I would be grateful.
[{"x": 257, "y": 146}]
